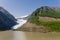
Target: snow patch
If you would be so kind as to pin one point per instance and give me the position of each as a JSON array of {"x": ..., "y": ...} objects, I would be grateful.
[{"x": 20, "y": 23}]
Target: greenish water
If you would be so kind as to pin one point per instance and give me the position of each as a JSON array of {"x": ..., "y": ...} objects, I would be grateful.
[{"x": 19, "y": 35}]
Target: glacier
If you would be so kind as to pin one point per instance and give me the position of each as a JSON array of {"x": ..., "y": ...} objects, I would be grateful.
[{"x": 22, "y": 20}]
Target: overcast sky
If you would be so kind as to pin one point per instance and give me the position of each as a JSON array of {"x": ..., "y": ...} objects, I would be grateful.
[{"x": 25, "y": 7}]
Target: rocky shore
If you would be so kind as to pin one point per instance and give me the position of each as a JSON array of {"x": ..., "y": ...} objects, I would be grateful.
[{"x": 33, "y": 28}]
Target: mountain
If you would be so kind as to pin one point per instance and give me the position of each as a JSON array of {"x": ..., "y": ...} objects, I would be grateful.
[
  {"x": 6, "y": 19},
  {"x": 44, "y": 11},
  {"x": 22, "y": 20},
  {"x": 24, "y": 17},
  {"x": 43, "y": 19}
]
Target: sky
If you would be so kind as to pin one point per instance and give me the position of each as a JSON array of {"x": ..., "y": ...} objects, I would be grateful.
[{"x": 20, "y": 8}]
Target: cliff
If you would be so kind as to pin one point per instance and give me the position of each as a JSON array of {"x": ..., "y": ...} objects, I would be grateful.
[{"x": 6, "y": 20}]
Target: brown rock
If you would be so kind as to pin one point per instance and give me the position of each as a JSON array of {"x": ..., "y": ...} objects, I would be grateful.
[{"x": 33, "y": 28}]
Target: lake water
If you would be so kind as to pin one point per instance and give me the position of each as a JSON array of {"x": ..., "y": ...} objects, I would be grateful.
[{"x": 20, "y": 35}]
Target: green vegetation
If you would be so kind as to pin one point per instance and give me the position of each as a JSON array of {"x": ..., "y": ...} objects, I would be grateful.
[
  {"x": 46, "y": 12},
  {"x": 53, "y": 25},
  {"x": 51, "y": 14}
]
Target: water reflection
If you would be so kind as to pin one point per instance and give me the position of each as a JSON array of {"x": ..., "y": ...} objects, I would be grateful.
[
  {"x": 6, "y": 35},
  {"x": 19, "y": 35}
]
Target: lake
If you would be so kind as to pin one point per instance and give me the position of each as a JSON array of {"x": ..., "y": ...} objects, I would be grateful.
[{"x": 20, "y": 35}]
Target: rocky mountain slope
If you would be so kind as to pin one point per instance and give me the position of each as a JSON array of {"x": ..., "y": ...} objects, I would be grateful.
[
  {"x": 46, "y": 18},
  {"x": 45, "y": 11},
  {"x": 6, "y": 20}
]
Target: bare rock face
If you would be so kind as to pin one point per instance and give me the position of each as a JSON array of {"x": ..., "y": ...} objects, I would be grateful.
[
  {"x": 6, "y": 20},
  {"x": 30, "y": 27},
  {"x": 47, "y": 19}
]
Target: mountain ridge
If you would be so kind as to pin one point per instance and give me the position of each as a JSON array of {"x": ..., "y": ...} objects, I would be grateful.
[
  {"x": 6, "y": 20},
  {"x": 47, "y": 13}
]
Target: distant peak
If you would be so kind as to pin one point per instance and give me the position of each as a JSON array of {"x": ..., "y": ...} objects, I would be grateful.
[
  {"x": 44, "y": 6},
  {"x": 1, "y": 8},
  {"x": 24, "y": 16}
]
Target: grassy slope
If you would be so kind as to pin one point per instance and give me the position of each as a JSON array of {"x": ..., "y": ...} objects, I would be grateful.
[{"x": 54, "y": 25}]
